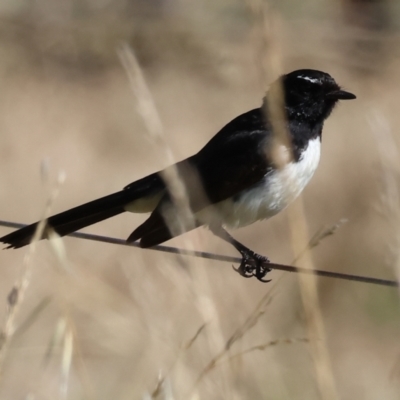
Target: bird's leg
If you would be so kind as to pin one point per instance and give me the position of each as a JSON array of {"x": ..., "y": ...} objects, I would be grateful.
[{"x": 252, "y": 263}]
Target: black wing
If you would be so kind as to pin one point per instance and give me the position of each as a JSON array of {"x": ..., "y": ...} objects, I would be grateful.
[
  {"x": 235, "y": 159},
  {"x": 232, "y": 161}
]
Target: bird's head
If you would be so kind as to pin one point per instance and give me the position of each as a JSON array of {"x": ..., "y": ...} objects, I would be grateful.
[{"x": 309, "y": 95}]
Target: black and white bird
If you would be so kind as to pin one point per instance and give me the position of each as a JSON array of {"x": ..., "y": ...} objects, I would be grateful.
[{"x": 249, "y": 171}]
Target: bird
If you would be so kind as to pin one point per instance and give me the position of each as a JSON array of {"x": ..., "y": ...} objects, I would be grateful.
[{"x": 254, "y": 167}]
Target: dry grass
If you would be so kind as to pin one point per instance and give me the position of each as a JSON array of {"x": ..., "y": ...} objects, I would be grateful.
[{"x": 125, "y": 323}]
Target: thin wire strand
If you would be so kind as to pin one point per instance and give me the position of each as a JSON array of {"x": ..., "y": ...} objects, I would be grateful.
[{"x": 220, "y": 257}]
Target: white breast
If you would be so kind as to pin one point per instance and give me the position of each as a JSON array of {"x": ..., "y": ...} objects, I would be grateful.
[{"x": 274, "y": 193}]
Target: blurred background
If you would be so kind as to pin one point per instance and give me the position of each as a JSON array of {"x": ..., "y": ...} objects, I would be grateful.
[{"x": 99, "y": 321}]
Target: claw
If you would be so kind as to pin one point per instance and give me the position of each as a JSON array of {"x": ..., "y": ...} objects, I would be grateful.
[
  {"x": 263, "y": 280},
  {"x": 244, "y": 270},
  {"x": 242, "y": 273},
  {"x": 261, "y": 273},
  {"x": 253, "y": 265}
]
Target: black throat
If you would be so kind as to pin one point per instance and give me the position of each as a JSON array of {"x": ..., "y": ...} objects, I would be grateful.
[{"x": 301, "y": 129}]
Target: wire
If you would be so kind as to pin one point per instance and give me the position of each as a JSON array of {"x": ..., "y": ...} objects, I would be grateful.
[{"x": 219, "y": 257}]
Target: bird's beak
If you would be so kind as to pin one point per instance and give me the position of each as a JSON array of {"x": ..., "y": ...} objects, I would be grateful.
[{"x": 340, "y": 95}]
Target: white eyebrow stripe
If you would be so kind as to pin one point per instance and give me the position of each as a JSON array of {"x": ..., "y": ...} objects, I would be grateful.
[{"x": 307, "y": 78}]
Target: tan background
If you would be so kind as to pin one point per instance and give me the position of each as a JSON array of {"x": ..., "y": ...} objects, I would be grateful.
[{"x": 66, "y": 102}]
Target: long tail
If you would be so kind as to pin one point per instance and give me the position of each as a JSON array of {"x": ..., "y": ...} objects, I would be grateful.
[
  {"x": 87, "y": 214},
  {"x": 71, "y": 220}
]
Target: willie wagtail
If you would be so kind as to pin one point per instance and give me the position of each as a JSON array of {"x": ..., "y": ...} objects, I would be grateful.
[{"x": 249, "y": 171}]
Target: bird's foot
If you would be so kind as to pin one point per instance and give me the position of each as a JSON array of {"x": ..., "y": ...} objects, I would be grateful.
[{"x": 253, "y": 265}]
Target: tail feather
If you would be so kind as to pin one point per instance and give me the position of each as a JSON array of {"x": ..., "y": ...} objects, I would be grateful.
[
  {"x": 87, "y": 214},
  {"x": 72, "y": 220},
  {"x": 160, "y": 235},
  {"x": 155, "y": 230},
  {"x": 153, "y": 225}
]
